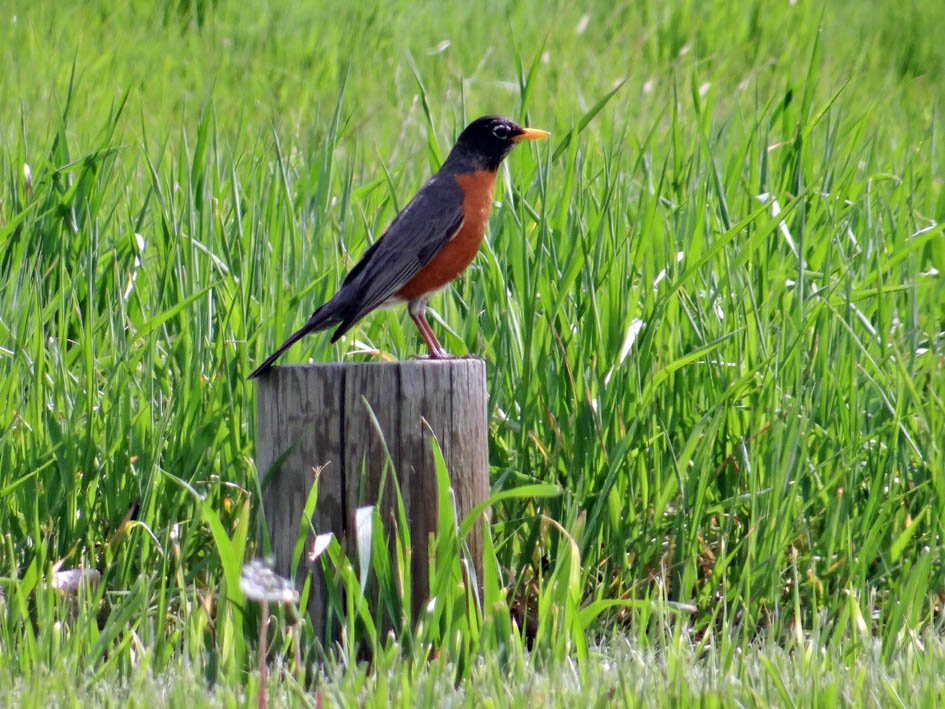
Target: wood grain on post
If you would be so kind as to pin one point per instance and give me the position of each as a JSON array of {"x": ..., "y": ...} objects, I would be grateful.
[{"x": 340, "y": 421}]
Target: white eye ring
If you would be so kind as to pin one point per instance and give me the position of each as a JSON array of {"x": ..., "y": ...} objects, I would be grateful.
[{"x": 501, "y": 131}]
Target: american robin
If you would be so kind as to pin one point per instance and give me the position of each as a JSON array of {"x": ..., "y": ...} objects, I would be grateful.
[{"x": 431, "y": 241}]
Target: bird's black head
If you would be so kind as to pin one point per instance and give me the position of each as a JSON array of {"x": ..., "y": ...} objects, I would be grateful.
[{"x": 486, "y": 141}]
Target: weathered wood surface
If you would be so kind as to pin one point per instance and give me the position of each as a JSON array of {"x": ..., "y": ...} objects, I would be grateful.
[{"x": 326, "y": 417}]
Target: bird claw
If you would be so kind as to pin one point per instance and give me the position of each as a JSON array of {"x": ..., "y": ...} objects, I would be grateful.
[
  {"x": 445, "y": 355},
  {"x": 436, "y": 355}
]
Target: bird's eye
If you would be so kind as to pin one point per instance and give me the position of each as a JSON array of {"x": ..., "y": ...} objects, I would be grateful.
[{"x": 501, "y": 131}]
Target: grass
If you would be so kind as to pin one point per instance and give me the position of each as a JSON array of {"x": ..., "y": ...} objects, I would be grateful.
[
  {"x": 712, "y": 310},
  {"x": 623, "y": 675}
]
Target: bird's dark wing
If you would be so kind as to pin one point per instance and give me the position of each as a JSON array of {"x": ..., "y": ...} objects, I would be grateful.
[
  {"x": 413, "y": 239},
  {"x": 415, "y": 236}
]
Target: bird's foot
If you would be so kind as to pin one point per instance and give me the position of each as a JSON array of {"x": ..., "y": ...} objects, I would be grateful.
[{"x": 445, "y": 355}]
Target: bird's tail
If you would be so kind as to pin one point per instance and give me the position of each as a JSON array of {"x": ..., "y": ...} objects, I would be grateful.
[{"x": 315, "y": 323}]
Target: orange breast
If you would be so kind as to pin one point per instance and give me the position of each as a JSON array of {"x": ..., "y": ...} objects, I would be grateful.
[{"x": 459, "y": 251}]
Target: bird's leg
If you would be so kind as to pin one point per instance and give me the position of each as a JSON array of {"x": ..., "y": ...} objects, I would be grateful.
[
  {"x": 436, "y": 349},
  {"x": 418, "y": 312}
]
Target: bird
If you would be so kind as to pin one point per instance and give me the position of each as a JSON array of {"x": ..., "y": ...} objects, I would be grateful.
[{"x": 428, "y": 244}]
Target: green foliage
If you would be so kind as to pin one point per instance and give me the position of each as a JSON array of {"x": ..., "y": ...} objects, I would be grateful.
[{"x": 712, "y": 309}]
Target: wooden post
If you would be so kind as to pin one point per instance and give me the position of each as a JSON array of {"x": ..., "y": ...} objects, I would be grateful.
[{"x": 319, "y": 418}]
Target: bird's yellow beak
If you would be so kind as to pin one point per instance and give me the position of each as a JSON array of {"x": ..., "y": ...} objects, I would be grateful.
[{"x": 530, "y": 134}]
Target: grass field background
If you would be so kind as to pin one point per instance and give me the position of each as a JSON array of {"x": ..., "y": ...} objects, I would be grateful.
[{"x": 712, "y": 309}]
